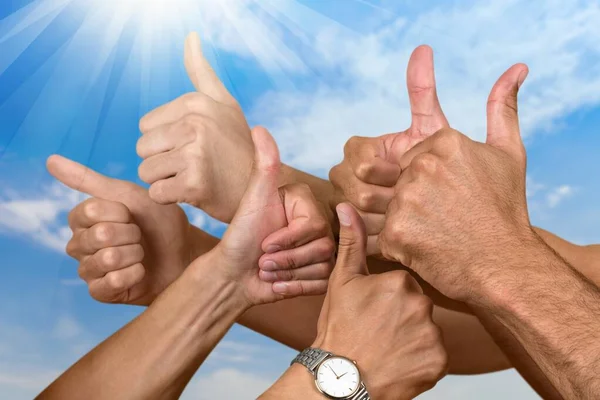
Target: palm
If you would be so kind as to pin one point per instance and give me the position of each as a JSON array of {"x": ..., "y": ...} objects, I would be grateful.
[{"x": 242, "y": 242}]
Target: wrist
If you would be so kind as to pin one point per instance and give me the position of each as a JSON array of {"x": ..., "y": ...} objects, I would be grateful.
[
  {"x": 516, "y": 268},
  {"x": 208, "y": 271},
  {"x": 295, "y": 383}
]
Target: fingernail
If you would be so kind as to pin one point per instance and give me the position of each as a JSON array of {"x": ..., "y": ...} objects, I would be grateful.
[
  {"x": 270, "y": 265},
  {"x": 268, "y": 276},
  {"x": 522, "y": 77},
  {"x": 280, "y": 287},
  {"x": 273, "y": 248},
  {"x": 343, "y": 217}
]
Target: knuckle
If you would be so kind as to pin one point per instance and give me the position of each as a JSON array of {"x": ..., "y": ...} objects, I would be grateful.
[
  {"x": 71, "y": 248},
  {"x": 365, "y": 200},
  {"x": 110, "y": 258},
  {"x": 194, "y": 186},
  {"x": 193, "y": 101},
  {"x": 425, "y": 162},
  {"x": 352, "y": 143},
  {"x": 92, "y": 209},
  {"x": 102, "y": 233},
  {"x": 115, "y": 281},
  {"x": 422, "y": 307},
  {"x": 449, "y": 139},
  {"x": 398, "y": 281},
  {"x": 364, "y": 170}
]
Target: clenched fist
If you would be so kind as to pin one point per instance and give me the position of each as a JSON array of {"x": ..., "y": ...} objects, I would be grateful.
[
  {"x": 459, "y": 209},
  {"x": 367, "y": 175},
  {"x": 197, "y": 149},
  {"x": 383, "y": 322}
]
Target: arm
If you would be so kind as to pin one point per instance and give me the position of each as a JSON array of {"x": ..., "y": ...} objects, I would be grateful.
[
  {"x": 157, "y": 354},
  {"x": 559, "y": 329}
]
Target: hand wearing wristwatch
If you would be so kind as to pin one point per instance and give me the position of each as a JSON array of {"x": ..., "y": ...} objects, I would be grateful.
[{"x": 335, "y": 376}]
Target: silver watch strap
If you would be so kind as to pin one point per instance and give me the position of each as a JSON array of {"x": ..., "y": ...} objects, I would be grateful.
[
  {"x": 311, "y": 358},
  {"x": 361, "y": 394}
]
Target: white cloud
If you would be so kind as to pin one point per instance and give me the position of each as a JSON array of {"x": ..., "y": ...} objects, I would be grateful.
[
  {"x": 473, "y": 44},
  {"x": 67, "y": 328},
  {"x": 556, "y": 196},
  {"x": 40, "y": 215},
  {"x": 227, "y": 383}
]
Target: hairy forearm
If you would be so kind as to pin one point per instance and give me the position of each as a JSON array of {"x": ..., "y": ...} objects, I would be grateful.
[
  {"x": 553, "y": 311},
  {"x": 156, "y": 355},
  {"x": 585, "y": 259}
]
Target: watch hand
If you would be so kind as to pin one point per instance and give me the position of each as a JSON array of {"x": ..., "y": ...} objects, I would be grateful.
[
  {"x": 336, "y": 375},
  {"x": 342, "y": 375}
]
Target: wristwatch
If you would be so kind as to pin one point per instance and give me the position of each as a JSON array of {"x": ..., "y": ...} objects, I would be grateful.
[{"x": 336, "y": 377}]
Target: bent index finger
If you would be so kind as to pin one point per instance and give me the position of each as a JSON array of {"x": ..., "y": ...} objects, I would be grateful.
[{"x": 94, "y": 210}]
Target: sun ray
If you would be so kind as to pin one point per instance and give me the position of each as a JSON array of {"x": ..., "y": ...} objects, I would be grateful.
[{"x": 28, "y": 15}]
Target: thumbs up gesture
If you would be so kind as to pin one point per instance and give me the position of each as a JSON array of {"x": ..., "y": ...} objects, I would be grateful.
[
  {"x": 129, "y": 248},
  {"x": 197, "y": 149},
  {"x": 383, "y": 322},
  {"x": 367, "y": 175},
  {"x": 459, "y": 207},
  {"x": 275, "y": 223}
]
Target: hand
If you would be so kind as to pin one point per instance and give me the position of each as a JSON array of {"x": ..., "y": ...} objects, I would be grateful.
[
  {"x": 197, "y": 149},
  {"x": 276, "y": 219},
  {"x": 129, "y": 248},
  {"x": 361, "y": 312},
  {"x": 460, "y": 212},
  {"x": 369, "y": 171}
]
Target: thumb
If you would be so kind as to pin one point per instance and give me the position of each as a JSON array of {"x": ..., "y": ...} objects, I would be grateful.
[
  {"x": 262, "y": 189},
  {"x": 502, "y": 115},
  {"x": 201, "y": 73},
  {"x": 352, "y": 251},
  {"x": 81, "y": 178},
  {"x": 426, "y": 111}
]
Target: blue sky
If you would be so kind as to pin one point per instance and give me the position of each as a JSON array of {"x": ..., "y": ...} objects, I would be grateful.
[{"x": 76, "y": 76}]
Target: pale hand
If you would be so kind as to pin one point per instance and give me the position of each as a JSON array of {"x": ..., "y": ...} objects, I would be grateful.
[
  {"x": 269, "y": 217},
  {"x": 197, "y": 149},
  {"x": 129, "y": 248}
]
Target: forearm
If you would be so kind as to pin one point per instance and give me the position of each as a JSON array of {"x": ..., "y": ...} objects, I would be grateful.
[
  {"x": 585, "y": 259},
  {"x": 554, "y": 313},
  {"x": 155, "y": 356},
  {"x": 295, "y": 384}
]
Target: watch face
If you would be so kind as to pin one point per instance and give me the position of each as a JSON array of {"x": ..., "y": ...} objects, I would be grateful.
[{"x": 338, "y": 377}]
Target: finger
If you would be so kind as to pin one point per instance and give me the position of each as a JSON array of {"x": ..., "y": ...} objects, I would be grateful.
[
  {"x": 424, "y": 147},
  {"x": 262, "y": 190},
  {"x": 180, "y": 109},
  {"x": 351, "y": 259},
  {"x": 374, "y": 222},
  {"x": 502, "y": 111},
  {"x": 165, "y": 138},
  {"x": 308, "y": 272},
  {"x": 378, "y": 171},
  {"x": 201, "y": 73},
  {"x": 166, "y": 191},
  {"x": 314, "y": 252},
  {"x": 103, "y": 235},
  {"x": 427, "y": 114},
  {"x": 364, "y": 196},
  {"x": 115, "y": 286},
  {"x": 161, "y": 166},
  {"x": 373, "y": 245},
  {"x": 301, "y": 288},
  {"x": 94, "y": 210},
  {"x": 81, "y": 178},
  {"x": 306, "y": 220},
  {"x": 110, "y": 259}
]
